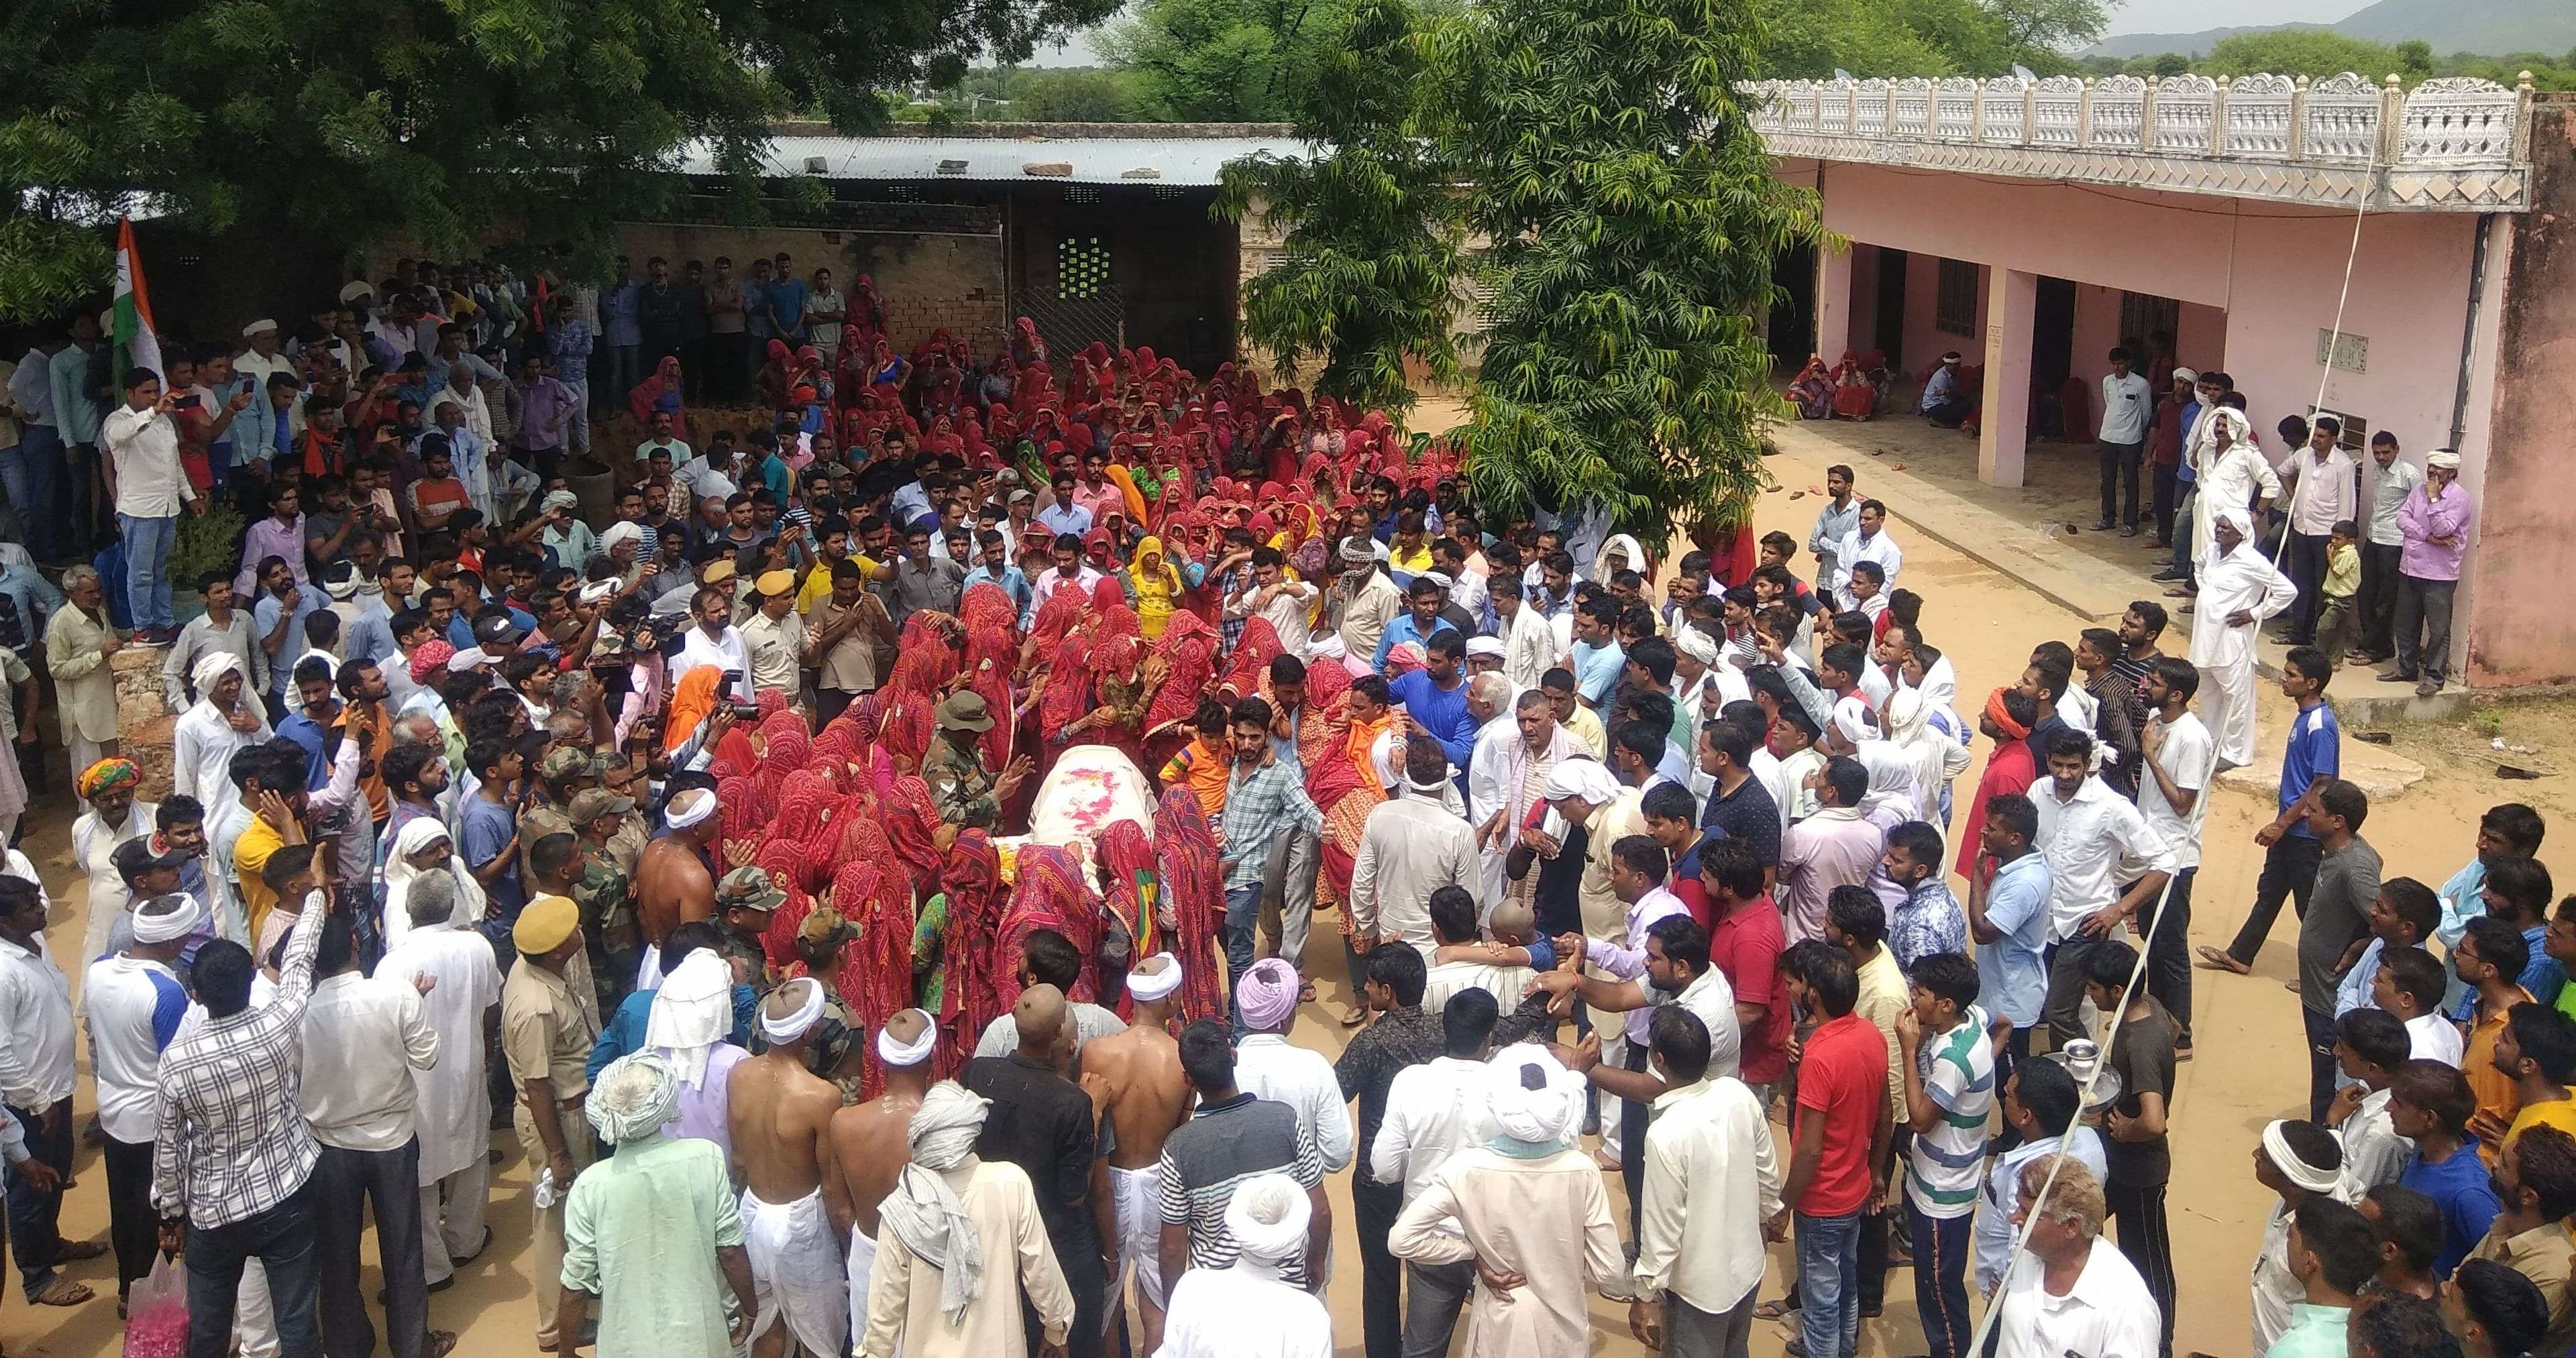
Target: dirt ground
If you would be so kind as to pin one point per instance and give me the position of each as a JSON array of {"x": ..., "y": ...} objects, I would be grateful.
[{"x": 2247, "y": 1072}]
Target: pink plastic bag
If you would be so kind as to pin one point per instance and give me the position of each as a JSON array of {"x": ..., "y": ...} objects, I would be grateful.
[{"x": 156, "y": 1310}]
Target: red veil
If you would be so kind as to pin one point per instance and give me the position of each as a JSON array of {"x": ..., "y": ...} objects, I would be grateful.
[
  {"x": 1194, "y": 888},
  {"x": 968, "y": 1000},
  {"x": 1050, "y": 894}
]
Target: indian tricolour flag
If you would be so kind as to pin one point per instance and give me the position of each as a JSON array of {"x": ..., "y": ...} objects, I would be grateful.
[{"x": 137, "y": 346}]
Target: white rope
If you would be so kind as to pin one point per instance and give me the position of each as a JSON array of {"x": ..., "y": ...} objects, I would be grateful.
[
  {"x": 2111, "y": 1035},
  {"x": 2334, "y": 340}
]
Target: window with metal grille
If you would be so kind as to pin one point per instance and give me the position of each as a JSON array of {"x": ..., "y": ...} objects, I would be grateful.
[
  {"x": 1954, "y": 301},
  {"x": 1081, "y": 266},
  {"x": 2355, "y": 438}
]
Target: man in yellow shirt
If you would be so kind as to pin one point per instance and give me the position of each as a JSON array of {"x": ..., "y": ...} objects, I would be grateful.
[
  {"x": 2537, "y": 1047},
  {"x": 271, "y": 779}
]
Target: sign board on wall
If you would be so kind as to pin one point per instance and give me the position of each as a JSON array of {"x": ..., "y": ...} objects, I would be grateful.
[{"x": 2344, "y": 349}]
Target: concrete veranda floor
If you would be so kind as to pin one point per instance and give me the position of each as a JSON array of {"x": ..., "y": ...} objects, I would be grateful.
[{"x": 1986, "y": 610}]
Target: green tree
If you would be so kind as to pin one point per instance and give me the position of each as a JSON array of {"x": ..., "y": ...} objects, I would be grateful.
[
  {"x": 1371, "y": 222},
  {"x": 1225, "y": 61},
  {"x": 1634, "y": 223},
  {"x": 1089, "y": 94},
  {"x": 2313, "y": 52},
  {"x": 1893, "y": 38},
  {"x": 352, "y": 121}
]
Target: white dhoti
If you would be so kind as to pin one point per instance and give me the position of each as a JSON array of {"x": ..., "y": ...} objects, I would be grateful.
[
  {"x": 451, "y": 1219},
  {"x": 1138, "y": 1196},
  {"x": 1492, "y": 882},
  {"x": 254, "y": 1319},
  {"x": 863, "y": 1269},
  {"x": 2227, "y": 705},
  {"x": 796, "y": 1271}
]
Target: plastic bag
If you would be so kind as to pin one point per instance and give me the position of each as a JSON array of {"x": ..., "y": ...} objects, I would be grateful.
[{"x": 156, "y": 1311}]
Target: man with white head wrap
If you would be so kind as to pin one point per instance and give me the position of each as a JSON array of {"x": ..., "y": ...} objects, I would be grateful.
[
  {"x": 961, "y": 1243},
  {"x": 1528, "y": 1207},
  {"x": 227, "y": 717},
  {"x": 2239, "y": 588},
  {"x": 1247, "y": 1309},
  {"x": 132, "y": 1002},
  {"x": 651, "y": 1230},
  {"x": 454, "y": 1111},
  {"x": 871, "y": 1142},
  {"x": 1139, "y": 1069},
  {"x": 1586, "y": 793},
  {"x": 690, "y": 1020},
  {"x": 1410, "y": 846},
  {"x": 2233, "y": 474},
  {"x": 779, "y": 1112}
]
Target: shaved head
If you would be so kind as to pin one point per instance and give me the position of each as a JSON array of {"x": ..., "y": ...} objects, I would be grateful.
[
  {"x": 1155, "y": 965},
  {"x": 1512, "y": 918},
  {"x": 907, "y": 1025},
  {"x": 1039, "y": 1014},
  {"x": 789, "y": 997}
]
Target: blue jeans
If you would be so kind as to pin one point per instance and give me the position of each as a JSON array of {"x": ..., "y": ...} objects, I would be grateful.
[
  {"x": 282, "y": 1239},
  {"x": 34, "y": 1213},
  {"x": 147, "y": 567},
  {"x": 46, "y": 510},
  {"x": 1941, "y": 1281},
  {"x": 1242, "y": 915},
  {"x": 1829, "y": 1284}
]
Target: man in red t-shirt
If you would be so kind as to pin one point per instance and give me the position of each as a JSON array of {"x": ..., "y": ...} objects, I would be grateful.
[
  {"x": 1744, "y": 944},
  {"x": 1841, "y": 1129},
  {"x": 2009, "y": 715}
]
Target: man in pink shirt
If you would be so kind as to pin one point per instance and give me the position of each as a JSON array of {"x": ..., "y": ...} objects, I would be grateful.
[
  {"x": 2434, "y": 524},
  {"x": 1834, "y": 847}
]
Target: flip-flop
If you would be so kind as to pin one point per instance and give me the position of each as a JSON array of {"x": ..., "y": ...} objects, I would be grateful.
[
  {"x": 81, "y": 1249},
  {"x": 64, "y": 1292},
  {"x": 1354, "y": 1018},
  {"x": 1773, "y": 1310},
  {"x": 2218, "y": 959}
]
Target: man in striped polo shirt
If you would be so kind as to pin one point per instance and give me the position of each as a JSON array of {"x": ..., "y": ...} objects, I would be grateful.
[
  {"x": 1949, "y": 1093},
  {"x": 1231, "y": 1138}
]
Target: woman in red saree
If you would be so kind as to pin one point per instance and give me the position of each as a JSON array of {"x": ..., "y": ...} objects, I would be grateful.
[
  {"x": 1131, "y": 895},
  {"x": 1176, "y": 677},
  {"x": 1194, "y": 890},
  {"x": 661, "y": 392},
  {"x": 1050, "y": 893},
  {"x": 1855, "y": 396},
  {"x": 973, "y": 882}
]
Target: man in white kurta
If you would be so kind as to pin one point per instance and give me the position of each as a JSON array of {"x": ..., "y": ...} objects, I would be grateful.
[
  {"x": 2233, "y": 474},
  {"x": 2239, "y": 588},
  {"x": 454, "y": 1110},
  {"x": 115, "y": 816},
  {"x": 960, "y": 1242},
  {"x": 1410, "y": 846},
  {"x": 202, "y": 741},
  {"x": 1249, "y": 1309},
  {"x": 1527, "y": 1203}
]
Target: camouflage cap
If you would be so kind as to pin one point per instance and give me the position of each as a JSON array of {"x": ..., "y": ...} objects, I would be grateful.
[
  {"x": 565, "y": 762},
  {"x": 592, "y": 803},
  {"x": 748, "y": 888},
  {"x": 825, "y": 926}
]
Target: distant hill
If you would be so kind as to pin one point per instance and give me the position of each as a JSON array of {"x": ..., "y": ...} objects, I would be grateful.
[{"x": 2486, "y": 27}]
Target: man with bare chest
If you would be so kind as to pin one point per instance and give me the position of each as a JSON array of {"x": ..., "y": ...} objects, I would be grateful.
[
  {"x": 780, "y": 1115},
  {"x": 672, "y": 884},
  {"x": 1135, "y": 1076},
  {"x": 871, "y": 1142}
]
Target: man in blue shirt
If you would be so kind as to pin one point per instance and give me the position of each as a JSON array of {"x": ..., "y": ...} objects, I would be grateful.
[
  {"x": 994, "y": 568},
  {"x": 1061, "y": 515},
  {"x": 1598, "y": 661},
  {"x": 621, "y": 318},
  {"x": 277, "y": 623},
  {"x": 1435, "y": 697},
  {"x": 785, "y": 297},
  {"x": 1419, "y": 623},
  {"x": 488, "y": 835},
  {"x": 2429, "y": 1104},
  {"x": 2313, "y": 759},
  {"x": 2008, "y": 916}
]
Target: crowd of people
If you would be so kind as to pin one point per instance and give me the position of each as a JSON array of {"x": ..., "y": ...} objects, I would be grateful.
[{"x": 873, "y": 871}]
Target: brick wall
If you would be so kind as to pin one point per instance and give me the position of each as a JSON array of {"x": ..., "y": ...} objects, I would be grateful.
[{"x": 929, "y": 279}]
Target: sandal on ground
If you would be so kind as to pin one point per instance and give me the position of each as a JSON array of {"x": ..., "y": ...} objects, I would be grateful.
[
  {"x": 1776, "y": 1310},
  {"x": 441, "y": 1343},
  {"x": 2219, "y": 959},
  {"x": 76, "y": 1250},
  {"x": 1354, "y": 1018},
  {"x": 1306, "y": 993},
  {"x": 63, "y": 1292}
]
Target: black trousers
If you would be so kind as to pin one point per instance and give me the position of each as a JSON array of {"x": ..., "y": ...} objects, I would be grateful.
[
  {"x": 2377, "y": 603},
  {"x": 1090, "y": 1287},
  {"x": 34, "y": 1214},
  {"x": 131, "y": 1222},
  {"x": 2166, "y": 494},
  {"x": 344, "y": 1186},
  {"x": 2138, "y": 1215},
  {"x": 2305, "y": 563},
  {"x": 2120, "y": 463},
  {"x": 1373, "y": 1211},
  {"x": 2169, "y": 951},
  {"x": 2289, "y": 872}
]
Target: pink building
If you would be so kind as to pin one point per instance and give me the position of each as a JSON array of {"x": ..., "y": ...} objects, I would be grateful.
[{"x": 2032, "y": 225}]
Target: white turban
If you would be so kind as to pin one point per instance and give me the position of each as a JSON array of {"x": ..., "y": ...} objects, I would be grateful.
[
  {"x": 691, "y": 1013},
  {"x": 2238, "y": 518},
  {"x": 257, "y": 326},
  {"x": 689, "y": 808},
  {"x": 180, "y": 919},
  {"x": 631, "y": 1099},
  {"x": 2285, "y": 1157},
  {"x": 620, "y": 531},
  {"x": 1532, "y": 1097},
  {"x": 1485, "y": 646},
  {"x": 1696, "y": 644},
  {"x": 1588, "y": 779},
  {"x": 1149, "y": 986},
  {"x": 2442, "y": 460},
  {"x": 923, "y": 1211},
  {"x": 1268, "y": 1216},
  {"x": 351, "y": 292},
  {"x": 210, "y": 669},
  {"x": 797, "y": 1024},
  {"x": 902, "y": 1055},
  {"x": 560, "y": 499}
]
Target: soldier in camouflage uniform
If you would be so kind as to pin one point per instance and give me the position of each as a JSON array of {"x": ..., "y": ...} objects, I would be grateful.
[
  {"x": 605, "y": 895},
  {"x": 562, "y": 775},
  {"x": 744, "y": 899},
  {"x": 968, "y": 796},
  {"x": 832, "y": 1050}
]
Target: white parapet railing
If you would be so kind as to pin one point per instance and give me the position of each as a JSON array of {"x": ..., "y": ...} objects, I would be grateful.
[{"x": 2453, "y": 144}]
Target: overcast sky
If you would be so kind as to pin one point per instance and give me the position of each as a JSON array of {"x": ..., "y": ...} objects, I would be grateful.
[{"x": 2137, "y": 16}]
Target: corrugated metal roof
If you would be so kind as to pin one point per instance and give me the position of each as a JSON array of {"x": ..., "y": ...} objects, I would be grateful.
[{"x": 1190, "y": 162}]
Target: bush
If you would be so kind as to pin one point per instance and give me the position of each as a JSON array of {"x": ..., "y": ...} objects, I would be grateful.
[{"x": 208, "y": 543}]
